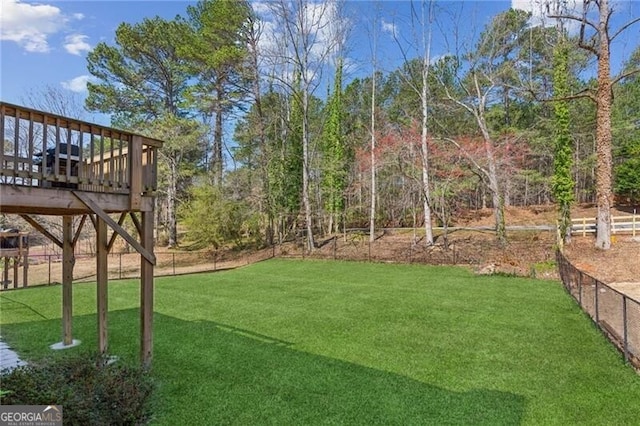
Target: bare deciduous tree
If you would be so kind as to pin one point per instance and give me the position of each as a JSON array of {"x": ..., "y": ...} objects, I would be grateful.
[
  {"x": 302, "y": 49},
  {"x": 421, "y": 23}
]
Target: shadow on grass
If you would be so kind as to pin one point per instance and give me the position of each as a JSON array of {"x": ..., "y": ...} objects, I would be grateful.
[{"x": 211, "y": 373}]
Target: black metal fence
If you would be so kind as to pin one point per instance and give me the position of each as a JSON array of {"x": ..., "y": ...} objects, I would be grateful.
[
  {"x": 358, "y": 247},
  {"x": 46, "y": 269},
  {"x": 615, "y": 313},
  {"x": 518, "y": 257}
]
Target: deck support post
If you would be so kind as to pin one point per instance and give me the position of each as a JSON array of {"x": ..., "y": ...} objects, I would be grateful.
[
  {"x": 146, "y": 291},
  {"x": 5, "y": 273},
  {"x": 15, "y": 271},
  {"x": 68, "y": 261},
  {"x": 25, "y": 262},
  {"x": 102, "y": 280}
]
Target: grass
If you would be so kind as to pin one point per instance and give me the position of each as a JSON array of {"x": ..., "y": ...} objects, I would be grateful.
[{"x": 294, "y": 342}]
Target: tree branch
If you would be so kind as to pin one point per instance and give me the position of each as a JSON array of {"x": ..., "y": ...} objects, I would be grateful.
[
  {"x": 588, "y": 47},
  {"x": 625, "y": 75},
  {"x": 586, "y": 93},
  {"x": 575, "y": 18},
  {"x": 469, "y": 156},
  {"x": 624, "y": 27}
]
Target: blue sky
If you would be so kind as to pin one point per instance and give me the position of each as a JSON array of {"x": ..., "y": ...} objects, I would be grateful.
[{"x": 46, "y": 42}]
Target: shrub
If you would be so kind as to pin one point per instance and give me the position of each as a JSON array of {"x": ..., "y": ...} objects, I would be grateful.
[
  {"x": 214, "y": 220},
  {"x": 91, "y": 391}
]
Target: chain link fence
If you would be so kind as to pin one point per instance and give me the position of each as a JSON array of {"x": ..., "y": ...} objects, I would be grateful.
[{"x": 616, "y": 314}]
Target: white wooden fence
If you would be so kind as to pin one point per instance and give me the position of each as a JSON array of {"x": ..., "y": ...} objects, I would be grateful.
[{"x": 619, "y": 225}]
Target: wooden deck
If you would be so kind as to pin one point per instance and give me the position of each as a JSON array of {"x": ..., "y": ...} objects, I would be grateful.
[
  {"x": 43, "y": 157},
  {"x": 54, "y": 165}
]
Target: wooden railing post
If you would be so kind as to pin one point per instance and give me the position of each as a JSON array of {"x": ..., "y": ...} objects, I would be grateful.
[
  {"x": 613, "y": 225},
  {"x": 2, "y": 124},
  {"x": 135, "y": 172}
]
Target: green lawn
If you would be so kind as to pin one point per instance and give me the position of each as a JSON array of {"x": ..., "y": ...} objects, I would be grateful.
[{"x": 295, "y": 342}]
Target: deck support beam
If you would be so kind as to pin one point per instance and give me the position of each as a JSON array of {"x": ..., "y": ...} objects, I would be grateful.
[
  {"x": 146, "y": 292},
  {"x": 68, "y": 260},
  {"x": 102, "y": 281}
]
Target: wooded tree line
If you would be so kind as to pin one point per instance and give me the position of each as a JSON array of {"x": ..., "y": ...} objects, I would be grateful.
[{"x": 265, "y": 134}]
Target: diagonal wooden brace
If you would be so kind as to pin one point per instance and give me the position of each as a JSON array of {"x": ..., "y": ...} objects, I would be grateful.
[
  {"x": 87, "y": 201},
  {"x": 42, "y": 229}
]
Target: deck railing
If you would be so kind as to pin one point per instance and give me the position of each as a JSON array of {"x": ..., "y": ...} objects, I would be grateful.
[{"x": 47, "y": 150}]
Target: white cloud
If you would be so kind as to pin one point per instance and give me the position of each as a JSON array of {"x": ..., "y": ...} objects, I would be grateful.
[
  {"x": 541, "y": 9},
  {"x": 323, "y": 19},
  {"x": 389, "y": 27},
  {"x": 29, "y": 24},
  {"x": 268, "y": 41},
  {"x": 76, "y": 44},
  {"x": 78, "y": 84},
  {"x": 78, "y": 16}
]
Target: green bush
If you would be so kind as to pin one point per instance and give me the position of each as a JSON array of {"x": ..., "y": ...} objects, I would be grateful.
[
  {"x": 90, "y": 391},
  {"x": 215, "y": 220}
]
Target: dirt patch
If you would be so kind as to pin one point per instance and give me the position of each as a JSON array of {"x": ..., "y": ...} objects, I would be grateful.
[
  {"x": 527, "y": 253},
  {"x": 532, "y": 215},
  {"x": 619, "y": 264}
]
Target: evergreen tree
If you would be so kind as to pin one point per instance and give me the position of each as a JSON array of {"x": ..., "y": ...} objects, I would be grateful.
[
  {"x": 626, "y": 130},
  {"x": 142, "y": 80},
  {"x": 215, "y": 50},
  {"x": 142, "y": 76},
  {"x": 334, "y": 178}
]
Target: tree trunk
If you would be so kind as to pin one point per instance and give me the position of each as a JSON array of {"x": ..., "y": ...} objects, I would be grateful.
[
  {"x": 497, "y": 197},
  {"x": 498, "y": 205},
  {"x": 172, "y": 191},
  {"x": 445, "y": 222},
  {"x": 305, "y": 170},
  {"x": 330, "y": 225},
  {"x": 372, "y": 211},
  {"x": 603, "y": 135},
  {"x": 217, "y": 164},
  {"x": 428, "y": 227},
  {"x": 252, "y": 41}
]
